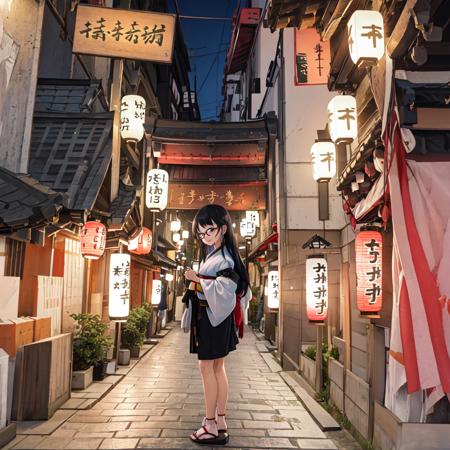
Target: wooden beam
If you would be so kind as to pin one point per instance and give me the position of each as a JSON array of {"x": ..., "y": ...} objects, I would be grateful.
[{"x": 432, "y": 119}]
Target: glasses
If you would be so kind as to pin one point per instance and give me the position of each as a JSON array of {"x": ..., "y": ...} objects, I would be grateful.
[{"x": 208, "y": 232}]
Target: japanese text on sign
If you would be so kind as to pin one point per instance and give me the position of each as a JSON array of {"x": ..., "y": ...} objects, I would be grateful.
[
  {"x": 317, "y": 288},
  {"x": 157, "y": 189},
  {"x": 119, "y": 285},
  {"x": 273, "y": 291}
]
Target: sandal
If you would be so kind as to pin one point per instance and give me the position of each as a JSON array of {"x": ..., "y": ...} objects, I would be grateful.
[
  {"x": 223, "y": 430},
  {"x": 218, "y": 439}
]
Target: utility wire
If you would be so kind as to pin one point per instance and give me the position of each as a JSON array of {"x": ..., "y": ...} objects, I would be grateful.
[{"x": 205, "y": 18}]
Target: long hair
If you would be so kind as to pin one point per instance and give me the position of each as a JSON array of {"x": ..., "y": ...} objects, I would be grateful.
[{"x": 218, "y": 214}]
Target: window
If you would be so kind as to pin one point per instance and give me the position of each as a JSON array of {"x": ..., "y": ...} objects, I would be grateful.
[{"x": 15, "y": 257}]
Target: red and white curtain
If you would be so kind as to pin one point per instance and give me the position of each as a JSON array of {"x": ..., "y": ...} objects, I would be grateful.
[{"x": 419, "y": 362}]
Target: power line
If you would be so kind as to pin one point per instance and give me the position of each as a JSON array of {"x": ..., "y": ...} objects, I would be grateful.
[{"x": 204, "y": 18}]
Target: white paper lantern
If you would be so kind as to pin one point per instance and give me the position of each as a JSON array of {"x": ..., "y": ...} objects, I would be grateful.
[
  {"x": 195, "y": 266},
  {"x": 342, "y": 119},
  {"x": 181, "y": 242},
  {"x": 324, "y": 160},
  {"x": 248, "y": 229},
  {"x": 273, "y": 289},
  {"x": 185, "y": 234},
  {"x": 175, "y": 225},
  {"x": 119, "y": 286},
  {"x": 366, "y": 37},
  {"x": 169, "y": 277},
  {"x": 176, "y": 237},
  {"x": 157, "y": 190},
  {"x": 316, "y": 289},
  {"x": 252, "y": 216},
  {"x": 132, "y": 117},
  {"x": 156, "y": 292}
]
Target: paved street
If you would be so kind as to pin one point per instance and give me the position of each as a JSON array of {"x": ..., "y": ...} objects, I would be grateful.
[{"x": 159, "y": 403}]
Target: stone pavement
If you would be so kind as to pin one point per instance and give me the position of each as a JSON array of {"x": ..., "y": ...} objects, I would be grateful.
[{"x": 160, "y": 402}]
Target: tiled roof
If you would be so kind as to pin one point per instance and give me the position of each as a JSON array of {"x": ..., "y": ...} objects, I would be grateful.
[{"x": 124, "y": 212}]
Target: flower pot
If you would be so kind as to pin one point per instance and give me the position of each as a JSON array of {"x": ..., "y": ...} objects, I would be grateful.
[
  {"x": 81, "y": 379},
  {"x": 135, "y": 352},
  {"x": 100, "y": 370},
  {"x": 124, "y": 357}
]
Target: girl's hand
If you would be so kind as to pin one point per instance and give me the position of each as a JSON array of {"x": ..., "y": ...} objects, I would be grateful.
[{"x": 191, "y": 275}]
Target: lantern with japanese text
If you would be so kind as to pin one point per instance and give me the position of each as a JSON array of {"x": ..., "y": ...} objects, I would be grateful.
[
  {"x": 156, "y": 292},
  {"x": 175, "y": 225},
  {"x": 119, "y": 286},
  {"x": 176, "y": 237},
  {"x": 316, "y": 288},
  {"x": 157, "y": 190},
  {"x": 366, "y": 37},
  {"x": 342, "y": 119},
  {"x": 252, "y": 216},
  {"x": 324, "y": 160},
  {"x": 132, "y": 117},
  {"x": 369, "y": 255},
  {"x": 185, "y": 234},
  {"x": 273, "y": 289},
  {"x": 248, "y": 229},
  {"x": 142, "y": 244},
  {"x": 93, "y": 240},
  {"x": 169, "y": 277}
]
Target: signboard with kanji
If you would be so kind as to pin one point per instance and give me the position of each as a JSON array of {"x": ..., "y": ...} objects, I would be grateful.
[
  {"x": 119, "y": 286},
  {"x": 316, "y": 289},
  {"x": 156, "y": 190},
  {"x": 273, "y": 289},
  {"x": 312, "y": 58},
  {"x": 234, "y": 197},
  {"x": 120, "y": 33},
  {"x": 369, "y": 255}
]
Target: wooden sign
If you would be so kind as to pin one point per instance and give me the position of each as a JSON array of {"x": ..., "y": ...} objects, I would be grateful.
[
  {"x": 238, "y": 197},
  {"x": 120, "y": 33},
  {"x": 312, "y": 58}
]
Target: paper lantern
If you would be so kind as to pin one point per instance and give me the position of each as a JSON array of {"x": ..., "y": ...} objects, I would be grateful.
[
  {"x": 316, "y": 289},
  {"x": 324, "y": 160},
  {"x": 252, "y": 216},
  {"x": 157, "y": 190},
  {"x": 119, "y": 286},
  {"x": 142, "y": 244},
  {"x": 175, "y": 225},
  {"x": 176, "y": 237},
  {"x": 169, "y": 277},
  {"x": 369, "y": 276},
  {"x": 366, "y": 37},
  {"x": 156, "y": 292},
  {"x": 273, "y": 289},
  {"x": 342, "y": 119},
  {"x": 132, "y": 117},
  {"x": 185, "y": 234},
  {"x": 93, "y": 240},
  {"x": 181, "y": 242},
  {"x": 248, "y": 228}
]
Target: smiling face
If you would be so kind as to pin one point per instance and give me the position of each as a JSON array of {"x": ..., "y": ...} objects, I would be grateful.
[{"x": 211, "y": 234}]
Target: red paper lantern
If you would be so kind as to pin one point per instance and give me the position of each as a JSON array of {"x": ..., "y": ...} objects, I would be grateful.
[
  {"x": 93, "y": 240},
  {"x": 369, "y": 256},
  {"x": 316, "y": 289},
  {"x": 142, "y": 244}
]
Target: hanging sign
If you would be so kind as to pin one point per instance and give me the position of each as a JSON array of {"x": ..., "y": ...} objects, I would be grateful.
[
  {"x": 247, "y": 229},
  {"x": 156, "y": 292},
  {"x": 157, "y": 190},
  {"x": 369, "y": 255},
  {"x": 120, "y": 33},
  {"x": 119, "y": 286},
  {"x": 316, "y": 289},
  {"x": 273, "y": 290},
  {"x": 93, "y": 240},
  {"x": 252, "y": 216},
  {"x": 312, "y": 58}
]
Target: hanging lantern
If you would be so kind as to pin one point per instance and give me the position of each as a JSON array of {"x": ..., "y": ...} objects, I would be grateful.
[
  {"x": 185, "y": 234},
  {"x": 175, "y": 225},
  {"x": 93, "y": 240},
  {"x": 181, "y": 242},
  {"x": 119, "y": 286},
  {"x": 169, "y": 277},
  {"x": 248, "y": 229},
  {"x": 324, "y": 160},
  {"x": 366, "y": 37},
  {"x": 176, "y": 237},
  {"x": 316, "y": 289},
  {"x": 252, "y": 216},
  {"x": 132, "y": 117},
  {"x": 342, "y": 119},
  {"x": 369, "y": 256},
  {"x": 156, "y": 292},
  {"x": 157, "y": 190},
  {"x": 273, "y": 290},
  {"x": 142, "y": 244}
]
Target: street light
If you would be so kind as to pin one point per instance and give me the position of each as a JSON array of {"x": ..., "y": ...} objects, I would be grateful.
[
  {"x": 185, "y": 234},
  {"x": 175, "y": 225},
  {"x": 132, "y": 117}
]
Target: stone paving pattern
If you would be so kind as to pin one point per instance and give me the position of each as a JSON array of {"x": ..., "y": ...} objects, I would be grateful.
[{"x": 160, "y": 402}]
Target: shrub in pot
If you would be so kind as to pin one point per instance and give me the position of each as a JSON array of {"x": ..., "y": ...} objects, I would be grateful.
[
  {"x": 89, "y": 347},
  {"x": 133, "y": 334}
]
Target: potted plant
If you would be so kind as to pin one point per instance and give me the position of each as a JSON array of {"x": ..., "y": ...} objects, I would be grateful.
[
  {"x": 133, "y": 334},
  {"x": 89, "y": 348}
]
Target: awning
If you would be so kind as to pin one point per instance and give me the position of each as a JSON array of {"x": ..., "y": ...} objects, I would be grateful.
[
  {"x": 165, "y": 244},
  {"x": 264, "y": 245},
  {"x": 25, "y": 203},
  {"x": 163, "y": 260},
  {"x": 125, "y": 214}
]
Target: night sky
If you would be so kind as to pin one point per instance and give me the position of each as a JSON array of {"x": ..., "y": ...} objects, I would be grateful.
[{"x": 207, "y": 42}]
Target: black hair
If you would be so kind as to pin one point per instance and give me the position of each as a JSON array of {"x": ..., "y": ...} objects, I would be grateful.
[{"x": 220, "y": 216}]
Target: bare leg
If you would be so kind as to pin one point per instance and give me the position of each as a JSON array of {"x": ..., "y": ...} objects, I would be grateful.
[{"x": 222, "y": 395}]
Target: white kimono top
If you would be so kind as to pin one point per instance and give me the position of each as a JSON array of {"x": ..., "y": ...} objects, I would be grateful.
[{"x": 221, "y": 292}]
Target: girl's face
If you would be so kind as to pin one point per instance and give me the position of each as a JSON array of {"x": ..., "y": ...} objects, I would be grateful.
[{"x": 211, "y": 234}]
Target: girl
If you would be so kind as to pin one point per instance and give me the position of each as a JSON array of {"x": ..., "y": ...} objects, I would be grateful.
[{"x": 221, "y": 275}]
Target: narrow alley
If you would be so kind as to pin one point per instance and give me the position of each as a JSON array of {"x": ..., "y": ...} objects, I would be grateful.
[{"x": 160, "y": 402}]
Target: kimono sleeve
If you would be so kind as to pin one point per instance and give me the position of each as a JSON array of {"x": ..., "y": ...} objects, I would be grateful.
[{"x": 220, "y": 295}]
